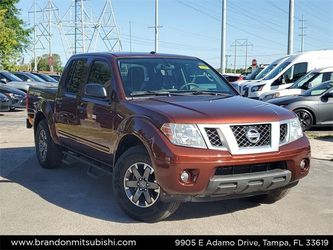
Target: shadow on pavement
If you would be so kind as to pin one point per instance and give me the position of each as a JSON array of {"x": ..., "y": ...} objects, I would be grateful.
[
  {"x": 69, "y": 187},
  {"x": 322, "y": 128}
]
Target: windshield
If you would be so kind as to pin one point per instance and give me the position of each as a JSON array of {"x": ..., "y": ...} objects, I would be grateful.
[
  {"x": 170, "y": 76},
  {"x": 303, "y": 80},
  {"x": 46, "y": 77},
  {"x": 276, "y": 71},
  {"x": 253, "y": 74},
  {"x": 34, "y": 77},
  {"x": 265, "y": 71},
  {"x": 320, "y": 89},
  {"x": 11, "y": 77}
]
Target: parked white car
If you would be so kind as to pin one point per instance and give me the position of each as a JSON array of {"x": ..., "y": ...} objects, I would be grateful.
[
  {"x": 241, "y": 85},
  {"x": 288, "y": 72},
  {"x": 310, "y": 80}
]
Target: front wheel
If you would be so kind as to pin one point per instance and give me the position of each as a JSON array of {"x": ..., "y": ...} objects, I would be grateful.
[
  {"x": 136, "y": 189},
  {"x": 305, "y": 118}
]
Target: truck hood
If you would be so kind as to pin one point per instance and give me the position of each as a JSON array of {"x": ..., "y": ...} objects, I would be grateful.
[{"x": 209, "y": 109}]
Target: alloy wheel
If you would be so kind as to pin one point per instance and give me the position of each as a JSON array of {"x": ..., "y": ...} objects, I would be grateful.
[
  {"x": 42, "y": 144},
  {"x": 140, "y": 185}
]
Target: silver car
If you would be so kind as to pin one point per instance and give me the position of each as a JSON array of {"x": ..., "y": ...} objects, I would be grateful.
[{"x": 13, "y": 81}]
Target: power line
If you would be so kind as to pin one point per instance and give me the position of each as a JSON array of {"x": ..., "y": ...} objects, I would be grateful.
[
  {"x": 240, "y": 43},
  {"x": 230, "y": 25}
]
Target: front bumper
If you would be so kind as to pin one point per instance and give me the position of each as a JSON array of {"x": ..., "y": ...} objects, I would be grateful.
[
  {"x": 18, "y": 102},
  {"x": 205, "y": 163}
]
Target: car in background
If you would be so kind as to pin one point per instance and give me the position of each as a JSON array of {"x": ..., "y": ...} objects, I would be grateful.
[
  {"x": 55, "y": 77},
  {"x": 243, "y": 85},
  {"x": 310, "y": 80},
  {"x": 248, "y": 77},
  {"x": 15, "y": 82},
  {"x": 18, "y": 97},
  {"x": 28, "y": 77},
  {"x": 5, "y": 103},
  {"x": 232, "y": 77},
  {"x": 46, "y": 78},
  {"x": 288, "y": 72},
  {"x": 313, "y": 107}
]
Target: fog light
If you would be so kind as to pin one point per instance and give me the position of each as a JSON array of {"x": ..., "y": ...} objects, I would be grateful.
[
  {"x": 185, "y": 176},
  {"x": 303, "y": 164}
]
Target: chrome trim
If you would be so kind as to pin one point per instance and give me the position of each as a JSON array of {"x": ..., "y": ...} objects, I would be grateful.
[{"x": 229, "y": 141}]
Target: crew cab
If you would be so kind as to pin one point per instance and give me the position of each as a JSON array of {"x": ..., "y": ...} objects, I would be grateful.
[{"x": 170, "y": 129}]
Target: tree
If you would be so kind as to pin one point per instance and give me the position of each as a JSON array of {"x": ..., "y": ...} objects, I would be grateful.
[
  {"x": 43, "y": 63},
  {"x": 14, "y": 38}
]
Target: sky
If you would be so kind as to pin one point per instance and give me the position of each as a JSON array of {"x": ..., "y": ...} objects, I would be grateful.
[{"x": 193, "y": 27}]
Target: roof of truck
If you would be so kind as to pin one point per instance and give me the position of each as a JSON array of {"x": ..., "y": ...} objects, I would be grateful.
[{"x": 136, "y": 54}]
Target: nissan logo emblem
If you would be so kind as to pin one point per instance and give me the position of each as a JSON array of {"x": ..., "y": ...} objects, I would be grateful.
[{"x": 252, "y": 135}]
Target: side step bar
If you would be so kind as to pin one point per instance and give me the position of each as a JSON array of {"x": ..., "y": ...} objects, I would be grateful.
[{"x": 95, "y": 169}]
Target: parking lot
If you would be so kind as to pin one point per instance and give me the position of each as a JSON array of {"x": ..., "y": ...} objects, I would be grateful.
[{"x": 68, "y": 201}]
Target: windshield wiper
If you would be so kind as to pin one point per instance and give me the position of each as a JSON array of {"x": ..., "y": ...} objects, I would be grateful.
[
  {"x": 200, "y": 92},
  {"x": 154, "y": 93},
  {"x": 150, "y": 92}
]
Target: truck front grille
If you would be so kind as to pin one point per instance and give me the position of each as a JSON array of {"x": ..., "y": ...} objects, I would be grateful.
[
  {"x": 242, "y": 132},
  {"x": 213, "y": 137},
  {"x": 283, "y": 132},
  {"x": 252, "y": 168}
]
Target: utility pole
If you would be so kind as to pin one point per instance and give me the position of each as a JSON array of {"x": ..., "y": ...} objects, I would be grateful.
[
  {"x": 156, "y": 27},
  {"x": 223, "y": 65},
  {"x": 240, "y": 43},
  {"x": 302, "y": 35},
  {"x": 35, "y": 41},
  {"x": 291, "y": 28},
  {"x": 50, "y": 60},
  {"x": 130, "y": 33},
  {"x": 226, "y": 62},
  {"x": 82, "y": 27},
  {"x": 75, "y": 27}
]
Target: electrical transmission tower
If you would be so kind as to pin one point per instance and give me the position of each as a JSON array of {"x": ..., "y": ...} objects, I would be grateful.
[
  {"x": 79, "y": 30},
  {"x": 241, "y": 43},
  {"x": 106, "y": 29},
  {"x": 302, "y": 34}
]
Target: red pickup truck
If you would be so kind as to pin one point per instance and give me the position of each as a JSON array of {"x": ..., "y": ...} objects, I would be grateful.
[{"x": 170, "y": 129}]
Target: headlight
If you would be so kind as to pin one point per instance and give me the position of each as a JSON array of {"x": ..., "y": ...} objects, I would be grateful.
[
  {"x": 257, "y": 88},
  {"x": 184, "y": 135},
  {"x": 271, "y": 96},
  {"x": 15, "y": 96},
  {"x": 295, "y": 130}
]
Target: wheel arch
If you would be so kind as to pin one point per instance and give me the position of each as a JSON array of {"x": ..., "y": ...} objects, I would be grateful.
[{"x": 310, "y": 111}]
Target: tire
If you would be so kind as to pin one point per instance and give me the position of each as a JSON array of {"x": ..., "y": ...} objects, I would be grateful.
[
  {"x": 271, "y": 197},
  {"x": 48, "y": 153},
  {"x": 127, "y": 183},
  {"x": 305, "y": 117}
]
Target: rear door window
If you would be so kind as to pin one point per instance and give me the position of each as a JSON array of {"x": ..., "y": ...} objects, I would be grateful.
[
  {"x": 75, "y": 76},
  {"x": 328, "y": 76}
]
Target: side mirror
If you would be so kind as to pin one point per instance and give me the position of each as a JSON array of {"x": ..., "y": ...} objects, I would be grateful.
[
  {"x": 328, "y": 95},
  {"x": 309, "y": 85},
  {"x": 95, "y": 90},
  {"x": 3, "y": 80}
]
